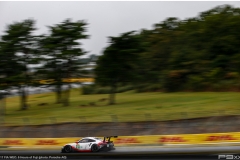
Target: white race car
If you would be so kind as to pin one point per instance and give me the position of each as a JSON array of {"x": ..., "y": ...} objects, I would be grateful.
[{"x": 90, "y": 144}]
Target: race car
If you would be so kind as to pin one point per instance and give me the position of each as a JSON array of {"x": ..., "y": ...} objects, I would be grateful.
[{"x": 90, "y": 144}]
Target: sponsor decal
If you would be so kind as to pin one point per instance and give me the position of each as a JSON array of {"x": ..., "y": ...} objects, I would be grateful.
[
  {"x": 172, "y": 139},
  {"x": 78, "y": 146},
  {"x": 220, "y": 138},
  {"x": 13, "y": 142},
  {"x": 46, "y": 142},
  {"x": 78, "y": 150},
  {"x": 126, "y": 140}
]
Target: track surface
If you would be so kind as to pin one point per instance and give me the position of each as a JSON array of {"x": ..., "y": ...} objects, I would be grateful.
[{"x": 134, "y": 153}]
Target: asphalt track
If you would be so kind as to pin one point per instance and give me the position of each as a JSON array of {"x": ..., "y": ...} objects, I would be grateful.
[{"x": 131, "y": 153}]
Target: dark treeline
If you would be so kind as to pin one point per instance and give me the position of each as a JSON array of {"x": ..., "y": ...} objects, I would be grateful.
[
  {"x": 195, "y": 54},
  {"x": 202, "y": 53}
]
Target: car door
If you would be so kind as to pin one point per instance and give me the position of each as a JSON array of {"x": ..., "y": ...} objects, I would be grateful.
[
  {"x": 82, "y": 144},
  {"x": 89, "y": 144}
]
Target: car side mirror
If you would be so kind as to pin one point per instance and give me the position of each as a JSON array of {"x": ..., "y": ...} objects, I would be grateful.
[{"x": 76, "y": 142}]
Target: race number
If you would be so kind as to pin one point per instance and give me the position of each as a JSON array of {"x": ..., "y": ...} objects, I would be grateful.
[{"x": 78, "y": 146}]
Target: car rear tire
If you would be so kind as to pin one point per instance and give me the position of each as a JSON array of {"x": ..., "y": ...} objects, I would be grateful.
[
  {"x": 67, "y": 149},
  {"x": 94, "y": 148}
]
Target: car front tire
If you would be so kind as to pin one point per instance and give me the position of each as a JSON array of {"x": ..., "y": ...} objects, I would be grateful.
[{"x": 67, "y": 149}]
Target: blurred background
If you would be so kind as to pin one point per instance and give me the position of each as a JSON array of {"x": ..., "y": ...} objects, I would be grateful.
[{"x": 139, "y": 68}]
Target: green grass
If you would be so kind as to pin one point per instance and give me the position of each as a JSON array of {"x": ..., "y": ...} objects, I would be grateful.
[{"x": 130, "y": 107}]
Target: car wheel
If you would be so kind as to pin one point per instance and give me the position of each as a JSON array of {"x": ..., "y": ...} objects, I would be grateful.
[
  {"x": 68, "y": 149},
  {"x": 94, "y": 148}
]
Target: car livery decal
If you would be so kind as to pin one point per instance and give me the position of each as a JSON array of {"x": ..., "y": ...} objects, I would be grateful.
[
  {"x": 78, "y": 146},
  {"x": 78, "y": 150}
]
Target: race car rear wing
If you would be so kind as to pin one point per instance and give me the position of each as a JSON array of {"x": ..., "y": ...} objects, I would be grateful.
[{"x": 108, "y": 138}]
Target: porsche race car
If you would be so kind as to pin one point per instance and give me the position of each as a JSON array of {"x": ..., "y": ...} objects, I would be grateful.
[{"x": 90, "y": 144}]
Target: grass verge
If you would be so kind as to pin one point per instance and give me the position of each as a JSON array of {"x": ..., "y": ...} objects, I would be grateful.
[{"x": 130, "y": 106}]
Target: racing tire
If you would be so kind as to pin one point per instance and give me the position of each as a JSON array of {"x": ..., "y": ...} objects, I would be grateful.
[
  {"x": 67, "y": 149},
  {"x": 94, "y": 148}
]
